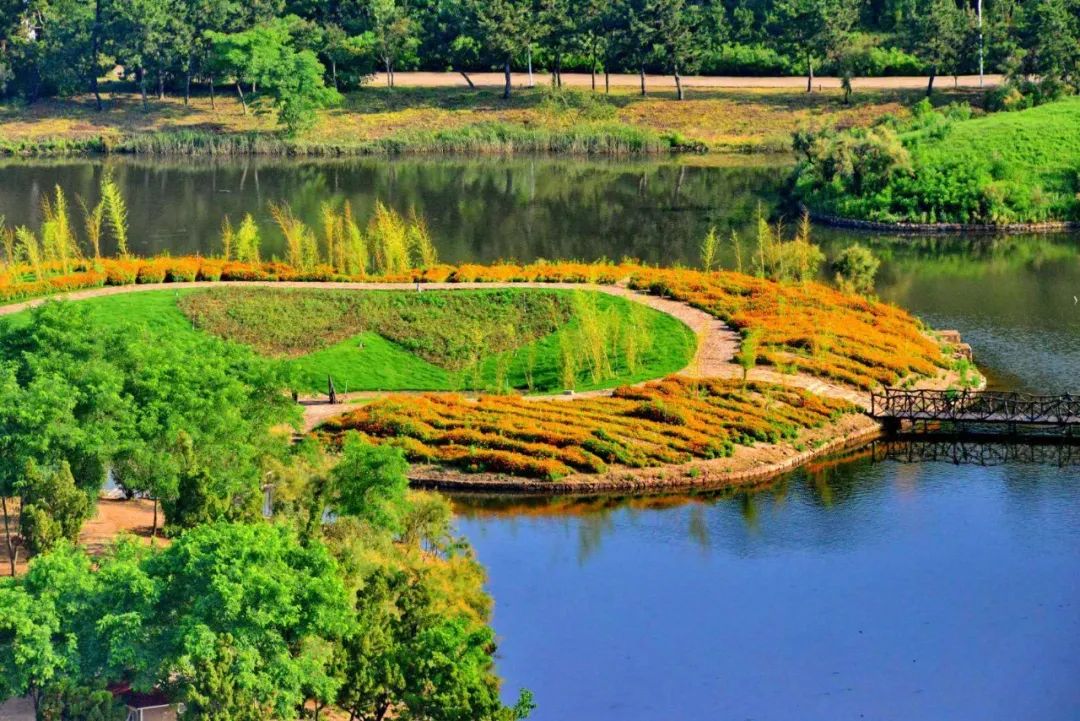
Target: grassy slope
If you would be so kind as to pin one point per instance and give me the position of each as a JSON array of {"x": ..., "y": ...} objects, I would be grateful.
[
  {"x": 1042, "y": 143},
  {"x": 383, "y": 365},
  {"x": 418, "y": 119}
]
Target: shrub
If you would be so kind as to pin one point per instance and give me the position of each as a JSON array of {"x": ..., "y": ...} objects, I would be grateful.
[
  {"x": 151, "y": 272},
  {"x": 182, "y": 270},
  {"x": 121, "y": 272},
  {"x": 856, "y": 267},
  {"x": 660, "y": 412}
]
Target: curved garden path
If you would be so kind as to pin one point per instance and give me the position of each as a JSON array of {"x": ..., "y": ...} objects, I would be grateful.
[{"x": 714, "y": 358}]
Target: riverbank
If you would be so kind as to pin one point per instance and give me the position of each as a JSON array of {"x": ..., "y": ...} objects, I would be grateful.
[{"x": 378, "y": 120}]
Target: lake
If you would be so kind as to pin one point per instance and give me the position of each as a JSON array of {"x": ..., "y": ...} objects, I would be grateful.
[{"x": 856, "y": 588}]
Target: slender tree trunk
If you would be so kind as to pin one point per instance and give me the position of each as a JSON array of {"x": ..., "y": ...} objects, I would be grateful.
[
  {"x": 809, "y": 73},
  {"x": 558, "y": 69},
  {"x": 12, "y": 553},
  {"x": 93, "y": 65},
  {"x": 240, "y": 92},
  {"x": 153, "y": 531},
  {"x": 467, "y": 78},
  {"x": 161, "y": 85},
  {"x": 528, "y": 59},
  {"x": 140, "y": 77},
  {"x": 213, "y": 103},
  {"x": 333, "y": 73},
  {"x": 930, "y": 85},
  {"x": 389, "y": 73},
  {"x": 607, "y": 81},
  {"x": 187, "y": 79},
  {"x": 642, "y": 72},
  {"x": 506, "y": 70},
  {"x": 592, "y": 66},
  {"x": 678, "y": 84}
]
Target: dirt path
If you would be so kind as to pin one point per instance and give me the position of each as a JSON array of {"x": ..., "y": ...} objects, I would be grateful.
[
  {"x": 714, "y": 358},
  {"x": 667, "y": 82}
]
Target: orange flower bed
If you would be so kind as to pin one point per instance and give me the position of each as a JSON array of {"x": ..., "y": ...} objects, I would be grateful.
[
  {"x": 810, "y": 327},
  {"x": 672, "y": 421}
]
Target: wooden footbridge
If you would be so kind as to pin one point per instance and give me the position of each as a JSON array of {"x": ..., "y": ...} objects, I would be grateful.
[{"x": 920, "y": 408}]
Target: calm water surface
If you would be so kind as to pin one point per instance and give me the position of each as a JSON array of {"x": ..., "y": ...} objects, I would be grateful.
[{"x": 855, "y": 589}]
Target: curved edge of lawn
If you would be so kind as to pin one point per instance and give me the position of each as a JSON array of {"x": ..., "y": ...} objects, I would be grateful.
[{"x": 382, "y": 365}]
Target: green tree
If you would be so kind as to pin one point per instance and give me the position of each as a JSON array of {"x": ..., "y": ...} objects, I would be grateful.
[
  {"x": 369, "y": 483},
  {"x": 1049, "y": 33},
  {"x": 856, "y": 267},
  {"x": 246, "y": 606},
  {"x": 29, "y": 631},
  {"x": 505, "y": 28},
  {"x": 408, "y": 655},
  {"x": 53, "y": 508},
  {"x": 292, "y": 82},
  {"x": 202, "y": 414},
  {"x": 61, "y": 402},
  {"x": 935, "y": 33},
  {"x": 678, "y": 38},
  {"x": 813, "y": 29},
  {"x": 393, "y": 34},
  {"x": 149, "y": 37}
]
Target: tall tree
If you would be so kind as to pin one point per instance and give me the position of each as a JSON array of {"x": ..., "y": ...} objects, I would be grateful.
[
  {"x": 292, "y": 81},
  {"x": 1050, "y": 36},
  {"x": 813, "y": 29},
  {"x": 506, "y": 27},
  {"x": 936, "y": 33},
  {"x": 393, "y": 35},
  {"x": 678, "y": 37},
  {"x": 560, "y": 25},
  {"x": 633, "y": 33}
]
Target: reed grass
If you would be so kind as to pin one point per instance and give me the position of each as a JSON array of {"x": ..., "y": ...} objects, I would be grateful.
[{"x": 116, "y": 213}]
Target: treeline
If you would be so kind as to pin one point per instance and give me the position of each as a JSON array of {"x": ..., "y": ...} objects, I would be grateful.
[{"x": 296, "y": 53}]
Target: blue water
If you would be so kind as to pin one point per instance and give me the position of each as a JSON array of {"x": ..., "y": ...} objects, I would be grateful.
[{"x": 878, "y": 591}]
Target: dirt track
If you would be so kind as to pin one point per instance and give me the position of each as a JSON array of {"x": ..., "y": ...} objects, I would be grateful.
[{"x": 667, "y": 82}]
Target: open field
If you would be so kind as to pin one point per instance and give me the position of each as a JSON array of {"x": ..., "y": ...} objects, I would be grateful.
[{"x": 452, "y": 119}]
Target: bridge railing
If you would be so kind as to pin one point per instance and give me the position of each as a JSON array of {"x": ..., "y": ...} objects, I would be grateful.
[{"x": 974, "y": 406}]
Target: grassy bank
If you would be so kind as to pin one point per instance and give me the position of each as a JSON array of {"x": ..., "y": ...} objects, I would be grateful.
[
  {"x": 496, "y": 340},
  {"x": 447, "y": 120},
  {"x": 946, "y": 167}
]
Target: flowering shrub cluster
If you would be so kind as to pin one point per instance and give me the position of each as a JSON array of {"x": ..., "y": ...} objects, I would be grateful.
[
  {"x": 807, "y": 327},
  {"x": 671, "y": 421}
]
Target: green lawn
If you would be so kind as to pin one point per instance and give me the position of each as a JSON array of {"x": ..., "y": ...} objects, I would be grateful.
[
  {"x": 940, "y": 167},
  {"x": 369, "y": 361},
  {"x": 1041, "y": 144}
]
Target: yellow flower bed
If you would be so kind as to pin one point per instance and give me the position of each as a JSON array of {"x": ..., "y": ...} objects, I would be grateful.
[
  {"x": 808, "y": 327},
  {"x": 672, "y": 421}
]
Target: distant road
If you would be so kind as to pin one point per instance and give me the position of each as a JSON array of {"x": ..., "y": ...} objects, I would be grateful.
[{"x": 667, "y": 82}]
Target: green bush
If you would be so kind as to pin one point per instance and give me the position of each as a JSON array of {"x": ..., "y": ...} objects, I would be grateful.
[
  {"x": 739, "y": 59},
  {"x": 856, "y": 267}
]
